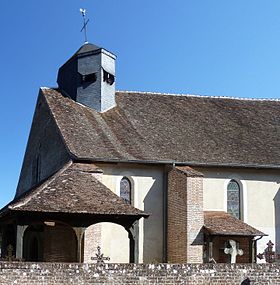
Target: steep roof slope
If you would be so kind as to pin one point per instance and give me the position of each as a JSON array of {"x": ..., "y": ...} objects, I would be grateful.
[{"x": 185, "y": 129}]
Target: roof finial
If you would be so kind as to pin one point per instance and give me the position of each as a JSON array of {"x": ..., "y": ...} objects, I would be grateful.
[{"x": 83, "y": 11}]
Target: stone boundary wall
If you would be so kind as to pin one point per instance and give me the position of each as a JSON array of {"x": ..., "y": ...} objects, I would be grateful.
[{"x": 28, "y": 273}]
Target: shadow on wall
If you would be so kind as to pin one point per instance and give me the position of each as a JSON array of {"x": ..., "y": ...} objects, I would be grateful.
[
  {"x": 153, "y": 226},
  {"x": 277, "y": 220},
  {"x": 199, "y": 238},
  {"x": 246, "y": 174}
]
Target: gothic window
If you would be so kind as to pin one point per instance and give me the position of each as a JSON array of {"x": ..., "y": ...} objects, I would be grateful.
[
  {"x": 234, "y": 199},
  {"x": 125, "y": 190}
]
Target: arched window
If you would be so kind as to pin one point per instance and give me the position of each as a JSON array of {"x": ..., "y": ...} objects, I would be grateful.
[
  {"x": 234, "y": 199},
  {"x": 125, "y": 190}
]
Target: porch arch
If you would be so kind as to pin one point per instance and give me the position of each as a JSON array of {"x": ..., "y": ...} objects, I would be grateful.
[
  {"x": 115, "y": 242},
  {"x": 33, "y": 243},
  {"x": 50, "y": 242}
]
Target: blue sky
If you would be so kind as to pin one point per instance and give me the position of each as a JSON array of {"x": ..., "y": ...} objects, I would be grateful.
[{"x": 207, "y": 47}]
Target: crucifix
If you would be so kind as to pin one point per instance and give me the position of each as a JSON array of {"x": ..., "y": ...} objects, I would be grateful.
[
  {"x": 84, "y": 28},
  {"x": 99, "y": 257},
  {"x": 233, "y": 251}
]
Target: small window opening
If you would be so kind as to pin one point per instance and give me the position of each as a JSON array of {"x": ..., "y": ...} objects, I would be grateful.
[
  {"x": 36, "y": 169},
  {"x": 108, "y": 77},
  {"x": 88, "y": 78}
]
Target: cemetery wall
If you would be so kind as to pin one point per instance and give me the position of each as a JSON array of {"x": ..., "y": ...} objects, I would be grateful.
[{"x": 27, "y": 273}]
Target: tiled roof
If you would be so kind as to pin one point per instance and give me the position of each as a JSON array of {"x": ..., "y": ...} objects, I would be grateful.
[
  {"x": 193, "y": 130},
  {"x": 188, "y": 171},
  {"x": 222, "y": 223},
  {"x": 74, "y": 189}
]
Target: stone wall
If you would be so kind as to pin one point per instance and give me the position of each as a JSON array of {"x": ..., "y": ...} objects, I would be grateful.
[{"x": 191, "y": 274}]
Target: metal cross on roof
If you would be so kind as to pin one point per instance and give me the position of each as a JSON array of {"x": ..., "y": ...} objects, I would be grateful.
[
  {"x": 99, "y": 257},
  {"x": 84, "y": 28}
]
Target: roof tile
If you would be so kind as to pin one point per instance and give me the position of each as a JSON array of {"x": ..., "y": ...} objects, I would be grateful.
[
  {"x": 194, "y": 130},
  {"x": 74, "y": 189},
  {"x": 222, "y": 223}
]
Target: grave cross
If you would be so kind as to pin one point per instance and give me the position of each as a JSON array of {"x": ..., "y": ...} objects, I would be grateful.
[
  {"x": 99, "y": 257},
  {"x": 10, "y": 256},
  {"x": 84, "y": 28},
  {"x": 233, "y": 251}
]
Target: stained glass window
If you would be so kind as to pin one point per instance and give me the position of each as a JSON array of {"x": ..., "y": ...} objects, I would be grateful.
[
  {"x": 233, "y": 199},
  {"x": 125, "y": 190}
]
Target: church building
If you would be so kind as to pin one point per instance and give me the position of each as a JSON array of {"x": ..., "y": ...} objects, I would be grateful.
[{"x": 146, "y": 177}]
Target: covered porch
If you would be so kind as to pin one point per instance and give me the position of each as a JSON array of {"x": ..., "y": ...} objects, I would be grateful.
[
  {"x": 49, "y": 223},
  {"x": 228, "y": 239}
]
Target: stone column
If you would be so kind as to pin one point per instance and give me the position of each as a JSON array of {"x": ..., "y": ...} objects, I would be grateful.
[
  {"x": 79, "y": 233},
  {"x": 19, "y": 243}
]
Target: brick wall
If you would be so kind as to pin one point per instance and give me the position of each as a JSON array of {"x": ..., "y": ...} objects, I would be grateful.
[
  {"x": 195, "y": 219},
  {"x": 92, "y": 241},
  {"x": 219, "y": 246},
  {"x": 185, "y": 217},
  {"x": 86, "y": 274},
  {"x": 60, "y": 244}
]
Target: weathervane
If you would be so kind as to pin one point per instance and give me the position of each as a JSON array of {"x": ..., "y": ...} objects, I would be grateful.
[{"x": 83, "y": 11}]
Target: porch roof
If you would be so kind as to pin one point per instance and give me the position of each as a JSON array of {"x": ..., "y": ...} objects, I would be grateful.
[
  {"x": 73, "y": 190},
  {"x": 222, "y": 223}
]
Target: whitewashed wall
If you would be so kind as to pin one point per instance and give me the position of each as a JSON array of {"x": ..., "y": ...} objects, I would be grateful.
[
  {"x": 147, "y": 184},
  {"x": 260, "y": 196}
]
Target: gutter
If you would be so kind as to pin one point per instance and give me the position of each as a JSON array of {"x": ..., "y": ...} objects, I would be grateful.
[{"x": 254, "y": 248}]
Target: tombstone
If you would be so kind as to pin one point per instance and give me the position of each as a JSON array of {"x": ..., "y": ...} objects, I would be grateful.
[
  {"x": 269, "y": 254},
  {"x": 233, "y": 251}
]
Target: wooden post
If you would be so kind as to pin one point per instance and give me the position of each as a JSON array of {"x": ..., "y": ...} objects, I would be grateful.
[
  {"x": 79, "y": 233},
  {"x": 19, "y": 244}
]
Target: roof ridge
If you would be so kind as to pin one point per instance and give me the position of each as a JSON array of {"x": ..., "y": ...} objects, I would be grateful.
[
  {"x": 185, "y": 95},
  {"x": 37, "y": 190},
  {"x": 198, "y": 96}
]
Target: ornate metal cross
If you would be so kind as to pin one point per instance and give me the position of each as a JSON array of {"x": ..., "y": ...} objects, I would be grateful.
[
  {"x": 84, "y": 28},
  {"x": 99, "y": 257},
  {"x": 233, "y": 251}
]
